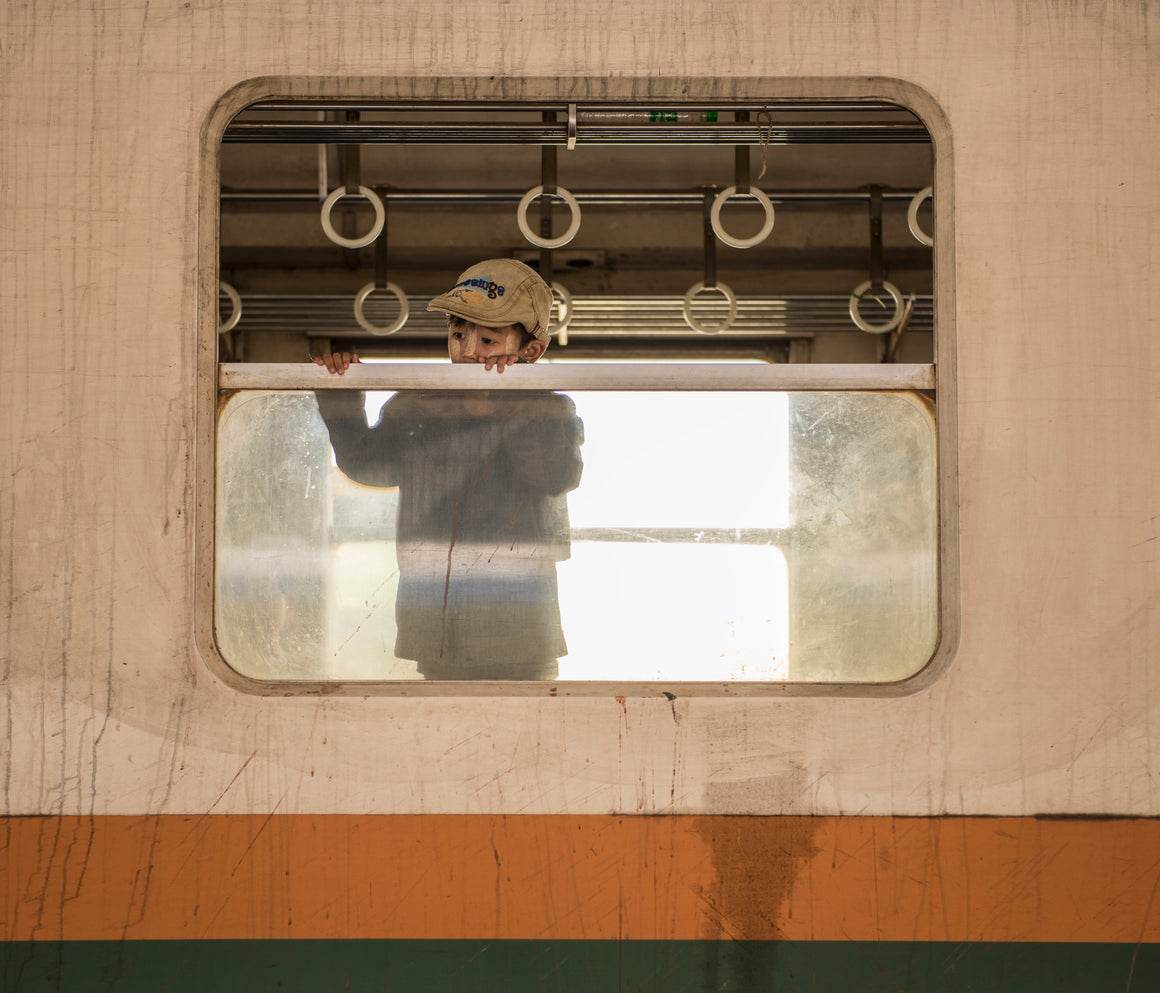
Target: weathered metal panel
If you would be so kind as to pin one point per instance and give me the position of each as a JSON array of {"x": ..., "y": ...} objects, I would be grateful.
[{"x": 1049, "y": 704}]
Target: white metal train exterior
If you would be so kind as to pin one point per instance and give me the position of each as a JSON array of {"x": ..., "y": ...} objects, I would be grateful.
[{"x": 990, "y": 826}]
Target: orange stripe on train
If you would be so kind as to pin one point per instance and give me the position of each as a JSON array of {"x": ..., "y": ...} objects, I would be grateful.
[{"x": 591, "y": 877}]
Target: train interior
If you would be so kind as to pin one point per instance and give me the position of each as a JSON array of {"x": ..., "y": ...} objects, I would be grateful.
[
  {"x": 841, "y": 183},
  {"x": 715, "y": 236}
]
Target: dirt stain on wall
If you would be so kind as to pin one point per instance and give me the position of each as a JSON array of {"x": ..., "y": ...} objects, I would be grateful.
[{"x": 756, "y": 861}]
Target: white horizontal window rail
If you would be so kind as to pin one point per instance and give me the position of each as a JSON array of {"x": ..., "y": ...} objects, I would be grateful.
[{"x": 581, "y": 376}]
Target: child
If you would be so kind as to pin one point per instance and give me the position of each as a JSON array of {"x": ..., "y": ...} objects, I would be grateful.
[
  {"x": 497, "y": 314},
  {"x": 482, "y": 477}
]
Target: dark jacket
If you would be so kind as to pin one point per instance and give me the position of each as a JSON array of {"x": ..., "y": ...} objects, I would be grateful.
[{"x": 482, "y": 521}]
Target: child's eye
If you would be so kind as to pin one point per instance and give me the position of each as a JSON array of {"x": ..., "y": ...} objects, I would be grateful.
[
  {"x": 488, "y": 341},
  {"x": 457, "y": 335}
]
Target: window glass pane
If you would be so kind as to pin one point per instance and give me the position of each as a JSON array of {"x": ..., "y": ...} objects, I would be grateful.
[{"x": 635, "y": 536}]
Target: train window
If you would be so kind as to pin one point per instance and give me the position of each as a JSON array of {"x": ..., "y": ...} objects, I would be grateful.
[
  {"x": 730, "y": 470},
  {"x": 715, "y": 535}
]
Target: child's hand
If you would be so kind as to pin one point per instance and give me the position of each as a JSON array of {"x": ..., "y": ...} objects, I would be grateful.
[
  {"x": 336, "y": 361},
  {"x": 500, "y": 362}
]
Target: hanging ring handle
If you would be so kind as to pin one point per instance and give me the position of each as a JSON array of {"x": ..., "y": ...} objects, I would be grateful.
[
  {"x": 380, "y": 217},
  {"x": 230, "y": 322},
  {"x": 535, "y": 239},
  {"x": 727, "y": 238},
  {"x": 856, "y": 317},
  {"x": 687, "y": 308},
  {"x": 563, "y": 301},
  {"x": 366, "y": 291},
  {"x": 912, "y": 216}
]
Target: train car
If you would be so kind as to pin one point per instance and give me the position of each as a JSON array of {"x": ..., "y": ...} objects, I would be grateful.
[{"x": 784, "y": 621}]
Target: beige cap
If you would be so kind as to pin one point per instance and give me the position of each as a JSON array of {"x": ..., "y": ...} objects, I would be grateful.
[{"x": 499, "y": 292}]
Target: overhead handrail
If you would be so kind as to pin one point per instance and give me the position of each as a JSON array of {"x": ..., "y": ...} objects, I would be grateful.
[
  {"x": 863, "y": 291},
  {"x": 709, "y": 282},
  {"x": 598, "y": 198},
  {"x": 877, "y": 282},
  {"x": 561, "y": 298},
  {"x": 361, "y": 298},
  {"x": 727, "y": 238},
  {"x": 741, "y": 187},
  {"x": 231, "y": 322},
  {"x": 352, "y": 187},
  {"x": 535, "y": 239},
  {"x": 558, "y": 133},
  {"x": 564, "y": 311},
  {"x": 912, "y": 217},
  {"x": 381, "y": 282},
  {"x": 546, "y": 189},
  {"x": 328, "y": 205},
  {"x": 644, "y": 317}
]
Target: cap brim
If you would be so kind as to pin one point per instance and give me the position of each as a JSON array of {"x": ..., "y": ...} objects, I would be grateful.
[{"x": 457, "y": 308}]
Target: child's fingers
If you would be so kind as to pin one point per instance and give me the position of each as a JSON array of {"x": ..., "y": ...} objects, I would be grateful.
[{"x": 337, "y": 361}]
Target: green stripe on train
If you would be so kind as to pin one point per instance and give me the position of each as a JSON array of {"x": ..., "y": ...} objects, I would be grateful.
[{"x": 580, "y": 966}]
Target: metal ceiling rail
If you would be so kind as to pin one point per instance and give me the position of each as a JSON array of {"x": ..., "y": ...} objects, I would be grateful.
[
  {"x": 466, "y": 106},
  {"x": 597, "y": 198},
  {"x": 332, "y": 315},
  {"x": 557, "y": 133}
]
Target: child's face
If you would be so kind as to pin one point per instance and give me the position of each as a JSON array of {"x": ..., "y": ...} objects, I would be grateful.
[{"x": 467, "y": 342}]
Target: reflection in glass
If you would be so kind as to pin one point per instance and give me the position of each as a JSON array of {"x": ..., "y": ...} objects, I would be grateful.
[
  {"x": 708, "y": 536},
  {"x": 480, "y": 524}
]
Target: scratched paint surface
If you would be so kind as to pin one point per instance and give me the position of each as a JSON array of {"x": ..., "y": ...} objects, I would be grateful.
[{"x": 1049, "y": 704}]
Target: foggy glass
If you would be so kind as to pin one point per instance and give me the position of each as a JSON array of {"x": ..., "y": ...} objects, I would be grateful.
[{"x": 635, "y": 536}]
